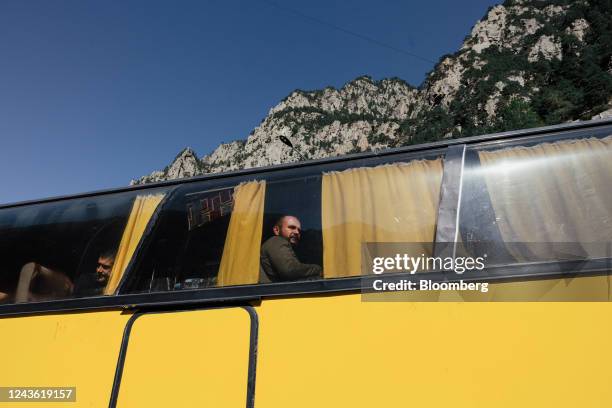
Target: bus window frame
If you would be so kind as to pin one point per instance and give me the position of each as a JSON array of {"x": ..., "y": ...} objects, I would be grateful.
[
  {"x": 450, "y": 208},
  {"x": 244, "y": 294},
  {"x": 145, "y": 237},
  {"x": 273, "y": 175}
]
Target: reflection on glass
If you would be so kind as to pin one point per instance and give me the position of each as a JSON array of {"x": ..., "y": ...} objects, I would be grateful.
[
  {"x": 547, "y": 194},
  {"x": 391, "y": 203},
  {"x": 68, "y": 248},
  {"x": 187, "y": 245},
  {"x": 294, "y": 225}
]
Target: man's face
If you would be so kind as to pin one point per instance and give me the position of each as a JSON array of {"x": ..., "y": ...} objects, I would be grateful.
[
  {"x": 105, "y": 265},
  {"x": 290, "y": 229}
]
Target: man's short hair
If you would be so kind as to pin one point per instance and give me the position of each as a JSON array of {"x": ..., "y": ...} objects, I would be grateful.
[
  {"x": 109, "y": 254},
  {"x": 279, "y": 221}
]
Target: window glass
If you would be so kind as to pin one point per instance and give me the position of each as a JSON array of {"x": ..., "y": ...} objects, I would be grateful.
[
  {"x": 306, "y": 223},
  {"x": 388, "y": 204},
  {"x": 187, "y": 243},
  {"x": 291, "y": 245},
  {"x": 71, "y": 248},
  {"x": 539, "y": 201}
]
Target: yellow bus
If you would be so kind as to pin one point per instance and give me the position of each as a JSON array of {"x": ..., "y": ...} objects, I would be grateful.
[{"x": 153, "y": 295}]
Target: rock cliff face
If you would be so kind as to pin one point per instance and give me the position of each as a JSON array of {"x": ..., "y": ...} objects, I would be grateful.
[
  {"x": 525, "y": 63},
  {"x": 185, "y": 164}
]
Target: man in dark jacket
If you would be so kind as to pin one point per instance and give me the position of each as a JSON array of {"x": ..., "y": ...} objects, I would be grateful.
[{"x": 278, "y": 260}]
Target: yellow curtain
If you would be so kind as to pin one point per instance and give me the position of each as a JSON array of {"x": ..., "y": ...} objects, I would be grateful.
[
  {"x": 552, "y": 193},
  {"x": 240, "y": 261},
  {"x": 142, "y": 211},
  {"x": 390, "y": 203}
]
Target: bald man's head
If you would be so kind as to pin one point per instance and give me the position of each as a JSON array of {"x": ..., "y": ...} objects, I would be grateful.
[{"x": 289, "y": 227}]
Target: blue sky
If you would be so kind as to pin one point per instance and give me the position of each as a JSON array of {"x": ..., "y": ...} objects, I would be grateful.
[{"x": 95, "y": 93}]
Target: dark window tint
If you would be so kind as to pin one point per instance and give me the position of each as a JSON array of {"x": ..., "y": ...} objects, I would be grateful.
[
  {"x": 68, "y": 248},
  {"x": 223, "y": 232},
  {"x": 300, "y": 198},
  {"x": 187, "y": 245}
]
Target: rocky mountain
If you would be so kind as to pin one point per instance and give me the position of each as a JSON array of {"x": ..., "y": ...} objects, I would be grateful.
[{"x": 526, "y": 63}]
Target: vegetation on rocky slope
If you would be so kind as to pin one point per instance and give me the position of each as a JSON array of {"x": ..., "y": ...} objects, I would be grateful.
[{"x": 527, "y": 63}]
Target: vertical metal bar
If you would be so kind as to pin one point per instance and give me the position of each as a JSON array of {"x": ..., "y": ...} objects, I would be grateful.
[
  {"x": 252, "y": 363},
  {"x": 447, "y": 229}
]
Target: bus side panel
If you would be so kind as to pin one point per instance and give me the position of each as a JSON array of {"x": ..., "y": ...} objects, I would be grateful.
[
  {"x": 63, "y": 350},
  {"x": 188, "y": 359},
  {"x": 339, "y": 351}
]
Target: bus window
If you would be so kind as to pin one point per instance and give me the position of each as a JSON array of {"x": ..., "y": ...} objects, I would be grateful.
[
  {"x": 187, "y": 244},
  {"x": 210, "y": 234},
  {"x": 70, "y": 248},
  {"x": 340, "y": 209},
  {"x": 391, "y": 203},
  {"x": 292, "y": 244},
  {"x": 538, "y": 202},
  {"x": 290, "y": 225}
]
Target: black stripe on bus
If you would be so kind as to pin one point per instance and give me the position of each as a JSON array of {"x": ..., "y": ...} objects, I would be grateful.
[
  {"x": 121, "y": 360},
  {"x": 253, "y": 342},
  {"x": 239, "y": 295}
]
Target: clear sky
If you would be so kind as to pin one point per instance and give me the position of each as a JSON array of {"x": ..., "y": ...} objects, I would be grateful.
[{"x": 95, "y": 93}]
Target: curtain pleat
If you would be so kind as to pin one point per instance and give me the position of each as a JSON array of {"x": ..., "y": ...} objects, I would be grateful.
[
  {"x": 390, "y": 203},
  {"x": 142, "y": 210},
  {"x": 240, "y": 261},
  {"x": 552, "y": 193}
]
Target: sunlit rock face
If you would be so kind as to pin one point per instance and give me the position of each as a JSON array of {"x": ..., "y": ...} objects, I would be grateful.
[
  {"x": 548, "y": 47},
  {"x": 526, "y": 63},
  {"x": 186, "y": 164}
]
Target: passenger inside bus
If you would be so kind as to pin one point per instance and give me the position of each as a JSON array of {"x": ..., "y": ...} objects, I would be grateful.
[
  {"x": 38, "y": 283},
  {"x": 93, "y": 283},
  {"x": 278, "y": 261}
]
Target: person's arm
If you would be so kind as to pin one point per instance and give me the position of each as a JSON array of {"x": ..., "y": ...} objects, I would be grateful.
[
  {"x": 57, "y": 282},
  {"x": 287, "y": 266}
]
